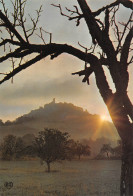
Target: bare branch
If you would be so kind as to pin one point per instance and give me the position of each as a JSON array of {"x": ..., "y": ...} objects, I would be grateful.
[
  {"x": 106, "y": 29},
  {"x": 120, "y": 35},
  {"x": 3, "y": 74},
  {"x": 126, "y": 47},
  {"x": 35, "y": 22},
  {"x": 70, "y": 17},
  {"x": 98, "y": 12},
  {"x": 41, "y": 35},
  {"x": 50, "y": 36},
  {"x": 128, "y": 4},
  {"x": 86, "y": 49},
  {"x": 10, "y": 54},
  {"x": 130, "y": 61},
  {"x": 4, "y": 8},
  {"x": 45, "y": 50},
  {"x": 86, "y": 72},
  {"x": 11, "y": 27},
  {"x": 20, "y": 68},
  {"x": 10, "y": 41},
  {"x": 96, "y": 33},
  {"x": 59, "y": 6},
  {"x": 22, "y": 20}
]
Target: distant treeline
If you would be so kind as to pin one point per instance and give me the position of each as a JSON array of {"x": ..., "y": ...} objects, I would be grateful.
[
  {"x": 109, "y": 152},
  {"x": 13, "y": 147},
  {"x": 17, "y": 121}
]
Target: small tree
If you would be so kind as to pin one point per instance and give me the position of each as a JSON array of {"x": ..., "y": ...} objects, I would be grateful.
[
  {"x": 1, "y": 123},
  {"x": 81, "y": 149},
  {"x": 19, "y": 147},
  {"x": 12, "y": 147},
  {"x": 51, "y": 145},
  {"x": 106, "y": 148},
  {"x": 87, "y": 150},
  {"x": 8, "y": 147},
  {"x": 71, "y": 149}
]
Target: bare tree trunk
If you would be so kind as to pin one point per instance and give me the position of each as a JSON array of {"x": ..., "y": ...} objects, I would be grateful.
[
  {"x": 126, "y": 186},
  {"x": 125, "y": 130},
  {"x": 48, "y": 165}
]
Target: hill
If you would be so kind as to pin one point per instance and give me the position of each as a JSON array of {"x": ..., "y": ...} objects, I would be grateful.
[{"x": 64, "y": 116}]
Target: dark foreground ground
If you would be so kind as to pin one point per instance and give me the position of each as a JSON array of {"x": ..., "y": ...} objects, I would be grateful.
[{"x": 75, "y": 178}]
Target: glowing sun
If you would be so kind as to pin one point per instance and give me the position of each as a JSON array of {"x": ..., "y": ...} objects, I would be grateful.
[{"x": 103, "y": 117}]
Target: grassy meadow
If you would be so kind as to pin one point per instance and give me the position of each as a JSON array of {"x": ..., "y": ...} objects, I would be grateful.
[{"x": 74, "y": 178}]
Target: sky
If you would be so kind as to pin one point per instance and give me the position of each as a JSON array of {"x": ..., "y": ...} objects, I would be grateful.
[{"x": 48, "y": 79}]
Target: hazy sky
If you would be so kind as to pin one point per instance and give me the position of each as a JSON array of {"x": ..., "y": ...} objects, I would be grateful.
[{"x": 48, "y": 79}]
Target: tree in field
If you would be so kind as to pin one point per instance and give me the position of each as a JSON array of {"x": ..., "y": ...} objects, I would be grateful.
[
  {"x": 111, "y": 47},
  {"x": 11, "y": 147},
  {"x": 51, "y": 145},
  {"x": 8, "y": 147},
  {"x": 115, "y": 152},
  {"x": 81, "y": 149},
  {"x": 71, "y": 149},
  {"x": 1, "y": 123},
  {"x": 106, "y": 148},
  {"x": 19, "y": 147}
]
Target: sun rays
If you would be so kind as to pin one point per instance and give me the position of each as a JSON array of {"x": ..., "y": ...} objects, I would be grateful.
[{"x": 102, "y": 122}]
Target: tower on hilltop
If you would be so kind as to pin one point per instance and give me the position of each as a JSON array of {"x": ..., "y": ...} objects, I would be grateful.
[{"x": 53, "y": 100}]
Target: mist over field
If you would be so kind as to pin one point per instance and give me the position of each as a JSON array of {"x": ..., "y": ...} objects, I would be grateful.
[
  {"x": 75, "y": 178},
  {"x": 65, "y": 116}
]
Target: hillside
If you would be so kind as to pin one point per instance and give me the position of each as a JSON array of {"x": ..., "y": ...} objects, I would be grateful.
[{"x": 64, "y": 116}]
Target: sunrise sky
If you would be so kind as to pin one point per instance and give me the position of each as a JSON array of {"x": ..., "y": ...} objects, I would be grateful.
[{"x": 48, "y": 79}]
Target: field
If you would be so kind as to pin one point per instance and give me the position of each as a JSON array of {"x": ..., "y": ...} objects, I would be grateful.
[{"x": 74, "y": 178}]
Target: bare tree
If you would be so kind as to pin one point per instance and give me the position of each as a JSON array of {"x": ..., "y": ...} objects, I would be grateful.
[{"x": 115, "y": 55}]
